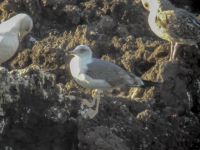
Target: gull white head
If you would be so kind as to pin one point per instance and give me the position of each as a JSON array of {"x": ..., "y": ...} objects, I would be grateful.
[
  {"x": 151, "y": 4},
  {"x": 82, "y": 51},
  {"x": 20, "y": 24},
  {"x": 26, "y": 25}
]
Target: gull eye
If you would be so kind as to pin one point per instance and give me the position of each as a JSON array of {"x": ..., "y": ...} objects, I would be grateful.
[
  {"x": 27, "y": 29},
  {"x": 82, "y": 51},
  {"x": 146, "y": 5}
]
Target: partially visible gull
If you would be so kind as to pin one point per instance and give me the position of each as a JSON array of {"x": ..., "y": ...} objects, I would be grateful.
[
  {"x": 12, "y": 32},
  {"x": 175, "y": 25},
  {"x": 98, "y": 74}
]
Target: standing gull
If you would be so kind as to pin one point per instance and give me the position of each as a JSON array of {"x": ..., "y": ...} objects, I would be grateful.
[
  {"x": 12, "y": 32},
  {"x": 173, "y": 24},
  {"x": 98, "y": 74}
]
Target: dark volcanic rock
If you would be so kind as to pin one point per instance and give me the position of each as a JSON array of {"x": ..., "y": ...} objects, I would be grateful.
[
  {"x": 36, "y": 109},
  {"x": 40, "y": 103}
]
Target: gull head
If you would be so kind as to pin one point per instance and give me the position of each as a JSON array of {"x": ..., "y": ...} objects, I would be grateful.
[
  {"x": 151, "y": 4},
  {"x": 82, "y": 51},
  {"x": 26, "y": 25}
]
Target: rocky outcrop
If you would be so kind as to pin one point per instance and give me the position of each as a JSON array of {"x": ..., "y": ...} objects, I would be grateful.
[{"x": 40, "y": 102}]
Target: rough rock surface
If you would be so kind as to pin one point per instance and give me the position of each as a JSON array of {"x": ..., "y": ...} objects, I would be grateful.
[{"x": 40, "y": 103}]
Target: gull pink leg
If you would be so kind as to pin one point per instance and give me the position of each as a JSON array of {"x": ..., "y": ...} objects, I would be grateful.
[
  {"x": 93, "y": 112},
  {"x": 171, "y": 51},
  {"x": 88, "y": 104},
  {"x": 175, "y": 51}
]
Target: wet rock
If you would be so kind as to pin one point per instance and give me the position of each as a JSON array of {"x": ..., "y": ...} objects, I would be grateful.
[
  {"x": 35, "y": 108},
  {"x": 72, "y": 14},
  {"x": 102, "y": 138},
  {"x": 139, "y": 127},
  {"x": 59, "y": 2},
  {"x": 106, "y": 24}
]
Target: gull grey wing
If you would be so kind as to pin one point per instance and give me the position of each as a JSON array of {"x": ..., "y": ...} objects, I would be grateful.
[
  {"x": 180, "y": 24},
  {"x": 8, "y": 25},
  {"x": 8, "y": 47},
  {"x": 163, "y": 18},
  {"x": 113, "y": 74}
]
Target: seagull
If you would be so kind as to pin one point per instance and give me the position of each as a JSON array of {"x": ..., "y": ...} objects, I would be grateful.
[
  {"x": 98, "y": 74},
  {"x": 175, "y": 25},
  {"x": 12, "y": 32}
]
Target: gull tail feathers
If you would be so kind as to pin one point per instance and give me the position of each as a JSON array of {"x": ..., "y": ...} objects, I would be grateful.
[
  {"x": 148, "y": 83},
  {"x": 138, "y": 82}
]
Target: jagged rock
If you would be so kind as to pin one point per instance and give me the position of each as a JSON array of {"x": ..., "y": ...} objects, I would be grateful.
[
  {"x": 35, "y": 108},
  {"x": 40, "y": 102},
  {"x": 102, "y": 138}
]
